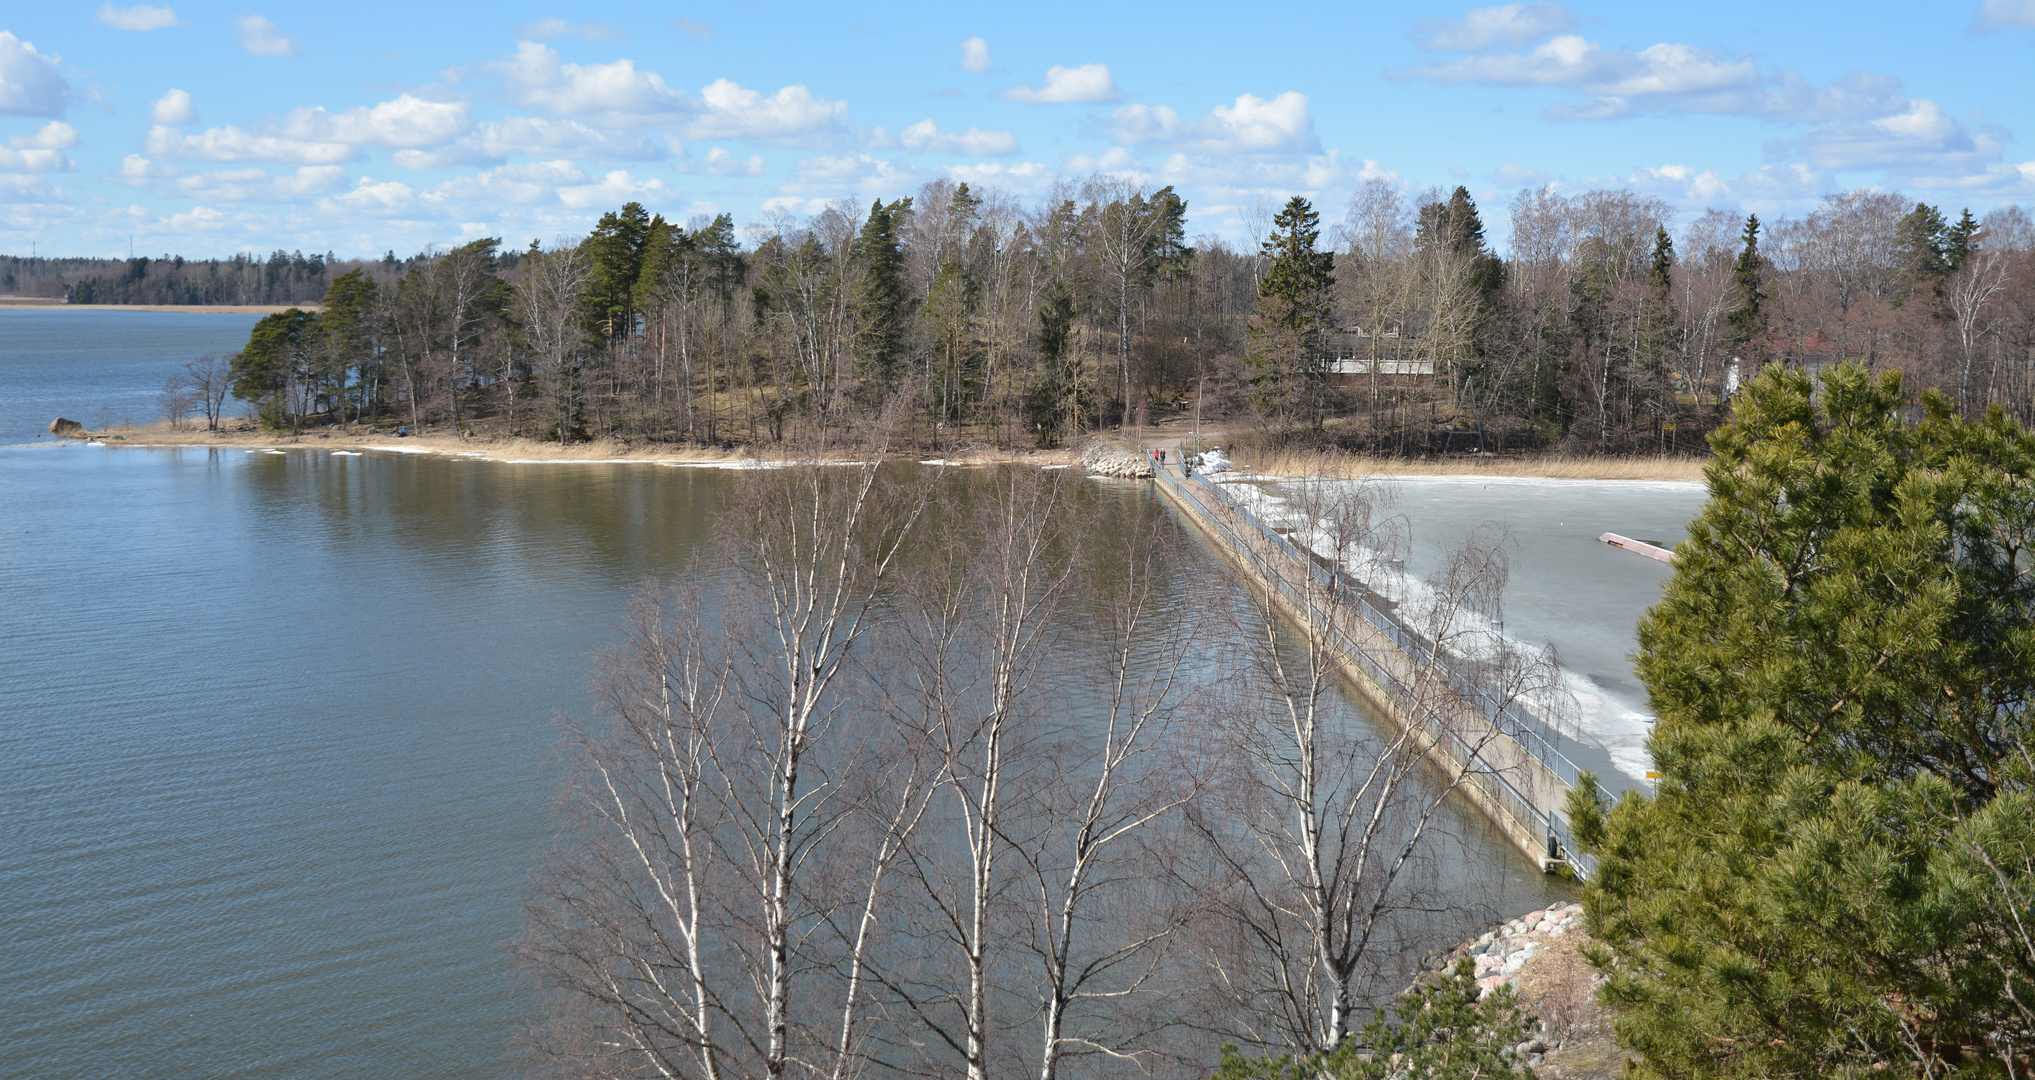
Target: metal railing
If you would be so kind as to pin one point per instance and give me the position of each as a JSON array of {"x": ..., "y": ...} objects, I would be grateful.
[{"x": 1508, "y": 717}]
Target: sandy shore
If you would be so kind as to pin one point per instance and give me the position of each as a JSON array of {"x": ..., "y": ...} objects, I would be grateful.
[
  {"x": 520, "y": 450},
  {"x": 514, "y": 450},
  {"x": 38, "y": 303}
]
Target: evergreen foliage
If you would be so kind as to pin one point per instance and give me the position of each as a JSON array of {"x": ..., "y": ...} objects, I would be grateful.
[
  {"x": 1294, "y": 313},
  {"x": 273, "y": 363},
  {"x": 615, "y": 251},
  {"x": 1436, "y": 1032},
  {"x": 1748, "y": 284},
  {"x": 882, "y": 302},
  {"x": 1834, "y": 876}
]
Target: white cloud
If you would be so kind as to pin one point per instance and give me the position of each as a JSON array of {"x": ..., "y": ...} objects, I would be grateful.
[
  {"x": 1226, "y": 177},
  {"x": 173, "y": 108},
  {"x": 535, "y": 76},
  {"x": 29, "y": 82},
  {"x": 617, "y": 94},
  {"x": 55, "y": 135},
  {"x": 264, "y": 38},
  {"x": 135, "y": 169},
  {"x": 544, "y": 29},
  {"x": 138, "y": 17},
  {"x": 199, "y": 219},
  {"x": 1253, "y": 125},
  {"x": 1521, "y": 176},
  {"x": 794, "y": 112},
  {"x": 370, "y": 196},
  {"x": 975, "y": 54},
  {"x": 1511, "y": 25},
  {"x": 1116, "y": 160},
  {"x": 234, "y": 144},
  {"x": 404, "y": 121},
  {"x": 252, "y": 184},
  {"x": 1999, "y": 14},
  {"x": 34, "y": 160},
  {"x": 1773, "y": 189},
  {"x": 719, "y": 162},
  {"x": 613, "y": 190},
  {"x": 1612, "y": 75},
  {"x": 523, "y": 184},
  {"x": 1921, "y": 139},
  {"x": 926, "y": 137},
  {"x": 697, "y": 31},
  {"x": 1023, "y": 176},
  {"x": 834, "y": 177},
  {"x": 314, "y": 136},
  {"x": 1086, "y": 84},
  {"x": 533, "y": 136}
]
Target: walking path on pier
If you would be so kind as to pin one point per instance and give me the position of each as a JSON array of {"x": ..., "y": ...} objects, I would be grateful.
[{"x": 1512, "y": 763}]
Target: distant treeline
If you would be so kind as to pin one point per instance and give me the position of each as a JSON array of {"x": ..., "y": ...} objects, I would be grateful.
[
  {"x": 285, "y": 277},
  {"x": 977, "y": 317}
]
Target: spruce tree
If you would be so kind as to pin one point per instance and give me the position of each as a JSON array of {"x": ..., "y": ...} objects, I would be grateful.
[
  {"x": 1959, "y": 241},
  {"x": 1747, "y": 318},
  {"x": 1288, "y": 378},
  {"x": 1834, "y": 875},
  {"x": 1921, "y": 240},
  {"x": 882, "y": 303}
]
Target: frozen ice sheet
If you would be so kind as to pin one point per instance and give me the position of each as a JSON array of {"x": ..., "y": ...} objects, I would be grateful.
[{"x": 1566, "y": 589}]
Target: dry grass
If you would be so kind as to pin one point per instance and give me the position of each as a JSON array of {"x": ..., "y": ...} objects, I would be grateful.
[
  {"x": 1559, "y": 986},
  {"x": 1555, "y": 466},
  {"x": 495, "y": 447}
]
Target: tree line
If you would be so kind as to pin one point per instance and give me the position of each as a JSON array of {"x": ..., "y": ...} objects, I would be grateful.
[
  {"x": 285, "y": 277},
  {"x": 1400, "y": 330}
]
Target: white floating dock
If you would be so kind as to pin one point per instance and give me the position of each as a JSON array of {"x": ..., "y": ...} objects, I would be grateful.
[{"x": 1639, "y": 547}]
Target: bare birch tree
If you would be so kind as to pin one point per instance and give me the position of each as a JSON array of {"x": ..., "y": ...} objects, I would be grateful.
[
  {"x": 1322, "y": 823},
  {"x": 547, "y": 301},
  {"x": 974, "y": 648},
  {"x": 708, "y": 916}
]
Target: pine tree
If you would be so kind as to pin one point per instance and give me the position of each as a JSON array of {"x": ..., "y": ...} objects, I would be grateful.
[
  {"x": 1835, "y": 873},
  {"x": 1435, "y": 1032},
  {"x": 1920, "y": 245},
  {"x": 1748, "y": 283},
  {"x": 615, "y": 252},
  {"x": 882, "y": 304},
  {"x": 1959, "y": 241},
  {"x": 1293, "y": 315}
]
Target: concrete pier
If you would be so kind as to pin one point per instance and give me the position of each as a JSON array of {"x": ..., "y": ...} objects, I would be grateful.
[{"x": 1510, "y": 765}]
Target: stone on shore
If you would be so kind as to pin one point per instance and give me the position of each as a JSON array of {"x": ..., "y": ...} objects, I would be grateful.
[
  {"x": 1104, "y": 459},
  {"x": 69, "y": 429}
]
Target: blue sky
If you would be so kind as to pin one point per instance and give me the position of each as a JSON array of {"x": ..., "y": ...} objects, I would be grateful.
[{"x": 208, "y": 129}]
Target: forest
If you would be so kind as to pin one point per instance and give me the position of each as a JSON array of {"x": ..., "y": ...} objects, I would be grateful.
[{"x": 1608, "y": 326}]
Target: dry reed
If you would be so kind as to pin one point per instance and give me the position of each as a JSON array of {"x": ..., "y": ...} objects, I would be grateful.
[{"x": 1555, "y": 466}]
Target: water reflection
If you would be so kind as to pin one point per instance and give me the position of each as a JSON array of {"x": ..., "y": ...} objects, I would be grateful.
[{"x": 277, "y": 728}]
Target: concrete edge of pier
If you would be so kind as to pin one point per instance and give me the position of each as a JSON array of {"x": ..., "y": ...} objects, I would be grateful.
[{"x": 1512, "y": 788}]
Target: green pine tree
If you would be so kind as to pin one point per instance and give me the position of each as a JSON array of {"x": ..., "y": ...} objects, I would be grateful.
[
  {"x": 1921, "y": 243},
  {"x": 882, "y": 303},
  {"x": 1747, "y": 318},
  {"x": 1436, "y": 1032},
  {"x": 615, "y": 252},
  {"x": 1288, "y": 379},
  {"x": 1834, "y": 876},
  {"x": 270, "y": 370}
]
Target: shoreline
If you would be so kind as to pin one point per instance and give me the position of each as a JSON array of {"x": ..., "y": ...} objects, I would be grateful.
[
  {"x": 521, "y": 450},
  {"x": 21, "y": 303}
]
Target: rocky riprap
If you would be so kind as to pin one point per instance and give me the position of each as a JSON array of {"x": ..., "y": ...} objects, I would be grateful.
[
  {"x": 1103, "y": 459},
  {"x": 1501, "y": 952}
]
